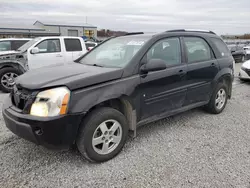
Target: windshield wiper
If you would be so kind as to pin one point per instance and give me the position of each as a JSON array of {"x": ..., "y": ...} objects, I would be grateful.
[{"x": 95, "y": 65}]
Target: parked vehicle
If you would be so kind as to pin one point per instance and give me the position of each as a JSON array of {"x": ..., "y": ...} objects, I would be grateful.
[
  {"x": 244, "y": 73},
  {"x": 238, "y": 53},
  {"x": 90, "y": 45},
  {"x": 37, "y": 53},
  {"x": 96, "y": 101},
  {"x": 247, "y": 50},
  {"x": 11, "y": 44}
]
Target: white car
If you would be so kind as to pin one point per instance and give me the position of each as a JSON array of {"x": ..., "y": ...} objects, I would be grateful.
[
  {"x": 9, "y": 45},
  {"x": 244, "y": 73},
  {"x": 37, "y": 53},
  {"x": 247, "y": 50}
]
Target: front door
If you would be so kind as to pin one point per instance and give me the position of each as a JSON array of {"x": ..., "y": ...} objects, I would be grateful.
[
  {"x": 50, "y": 54},
  {"x": 165, "y": 90},
  {"x": 202, "y": 69}
]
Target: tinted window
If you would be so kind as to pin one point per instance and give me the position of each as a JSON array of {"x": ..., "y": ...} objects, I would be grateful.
[
  {"x": 90, "y": 45},
  {"x": 197, "y": 49},
  {"x": 222, "y": 47},
  {"x": 49, "y": 46},
  {"x": 17, "y": 44},
  {"x": 5, "y": 46},
  {"x": 168, "y": 50},
  {"x": 73, "y": 45}
]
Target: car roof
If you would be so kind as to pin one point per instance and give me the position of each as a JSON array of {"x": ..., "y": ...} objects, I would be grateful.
[
  {"x": 8, "y": 39},
  {"x": 51, "y": 37},
  {"x": 175, "y": 33}
]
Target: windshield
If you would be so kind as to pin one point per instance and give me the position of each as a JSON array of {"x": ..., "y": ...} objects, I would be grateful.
[
  {"x": 115, "y": 52},
  {"x": 27, "y": 45}
]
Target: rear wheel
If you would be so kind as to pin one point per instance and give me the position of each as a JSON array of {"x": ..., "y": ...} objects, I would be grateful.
[
  {"x": 218, "y": 100},
  {"x": 102, "y": 135},
  {"x": 7, "y": 78}
]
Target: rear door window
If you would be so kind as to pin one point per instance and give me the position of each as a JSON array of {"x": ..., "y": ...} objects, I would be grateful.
[
  {"x": 73, "y": 45},
  {"x": 197, "y": 49}
]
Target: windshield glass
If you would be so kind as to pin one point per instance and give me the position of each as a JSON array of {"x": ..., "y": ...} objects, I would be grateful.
[
  {"x": 116, "y": 52},
  {"x": 27, "y": 45}
]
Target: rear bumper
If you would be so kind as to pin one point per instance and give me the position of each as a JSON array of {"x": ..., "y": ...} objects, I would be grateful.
[{"x": 53, "y": 132}]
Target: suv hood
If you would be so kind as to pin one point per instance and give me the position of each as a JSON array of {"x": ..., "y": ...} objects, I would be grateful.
[
  {"x": 74, "y": 76},
  {"x": 8, "y": 52},
  {"x": 10, "y": 55}
]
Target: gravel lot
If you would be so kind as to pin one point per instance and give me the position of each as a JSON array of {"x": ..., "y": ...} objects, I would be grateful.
[{"x": 193, "y": 149}]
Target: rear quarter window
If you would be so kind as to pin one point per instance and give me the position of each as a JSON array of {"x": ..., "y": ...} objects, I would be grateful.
[{"x": 221, "y": 47}]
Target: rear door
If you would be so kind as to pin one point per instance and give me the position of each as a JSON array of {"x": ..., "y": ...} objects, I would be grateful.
[
  {"x": 74, "y": 49},
  {"x": 50, "y": 54},
  {"x": 202, "y": 69}
]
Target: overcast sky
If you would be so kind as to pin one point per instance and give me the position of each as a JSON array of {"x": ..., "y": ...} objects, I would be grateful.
[{"x": 221, "y": 16}]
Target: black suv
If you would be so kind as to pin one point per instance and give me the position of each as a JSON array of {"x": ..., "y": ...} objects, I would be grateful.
[{"x": 123, "y": 83}]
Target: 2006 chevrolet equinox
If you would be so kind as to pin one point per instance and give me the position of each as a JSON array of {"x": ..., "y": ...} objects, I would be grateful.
[{"x": 123, "y": 83}]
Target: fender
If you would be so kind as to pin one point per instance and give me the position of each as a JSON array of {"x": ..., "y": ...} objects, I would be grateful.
[
  {"x": 20, "y": 66},
  {"x": 89, "y": 97},
  {"x": 225, "y": 72}
]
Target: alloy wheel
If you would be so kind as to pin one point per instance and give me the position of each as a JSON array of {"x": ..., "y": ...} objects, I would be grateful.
[
  {"x": 107, "y": 137},
  {"x": 220, "y": 99},
  {"x": 8, "y": 80}
]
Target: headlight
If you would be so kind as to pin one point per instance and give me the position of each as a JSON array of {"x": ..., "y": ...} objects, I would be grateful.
[{"x": 52, "y": 102}]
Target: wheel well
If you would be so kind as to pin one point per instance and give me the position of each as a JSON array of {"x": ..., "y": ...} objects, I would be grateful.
[
  {"x": 227, "y": 81},
  {"x": 6, "y": 66},
  {"x": 123, "y": 106}
]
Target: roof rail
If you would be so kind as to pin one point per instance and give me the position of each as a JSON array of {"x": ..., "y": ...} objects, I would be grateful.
[
  {"x": 191, "y": 30},
  {"x": 134, "y": 33}
]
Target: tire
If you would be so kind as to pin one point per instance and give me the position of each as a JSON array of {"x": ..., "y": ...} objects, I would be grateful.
[
  {"x": 212, "y": 106},
  {"x": 91, "y": 126},
  {"x": 3, "y": 73}
]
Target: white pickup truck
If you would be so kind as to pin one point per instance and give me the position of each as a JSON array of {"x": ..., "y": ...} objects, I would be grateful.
[{"x": 37, "y": 53}]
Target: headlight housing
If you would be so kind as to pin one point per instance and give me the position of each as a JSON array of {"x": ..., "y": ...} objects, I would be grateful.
[{"x": 52, "y": 102}]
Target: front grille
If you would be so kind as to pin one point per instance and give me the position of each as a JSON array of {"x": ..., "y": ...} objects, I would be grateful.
[{"x": 22, "y": 99}]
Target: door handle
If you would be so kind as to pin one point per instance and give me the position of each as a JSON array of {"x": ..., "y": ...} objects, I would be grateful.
[
  {"x": 181, "y": 73},
  {"x": 59, "y": 55},
  {"x": 213, "y": 65}
]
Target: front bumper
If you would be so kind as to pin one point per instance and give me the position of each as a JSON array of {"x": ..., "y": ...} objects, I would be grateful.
[{"x": 52, "y": 132}]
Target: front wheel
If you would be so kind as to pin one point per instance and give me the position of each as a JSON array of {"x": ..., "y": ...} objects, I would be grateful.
[
  {"x": 218, "y": 100},
  {"x": 102, "y": 134},
  {"x": 7, "y": 78}
]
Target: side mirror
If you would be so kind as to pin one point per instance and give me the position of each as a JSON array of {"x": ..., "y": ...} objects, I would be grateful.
[
  {"x": 34, "y": 50},
  {"x": 154, "y": 65}
]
